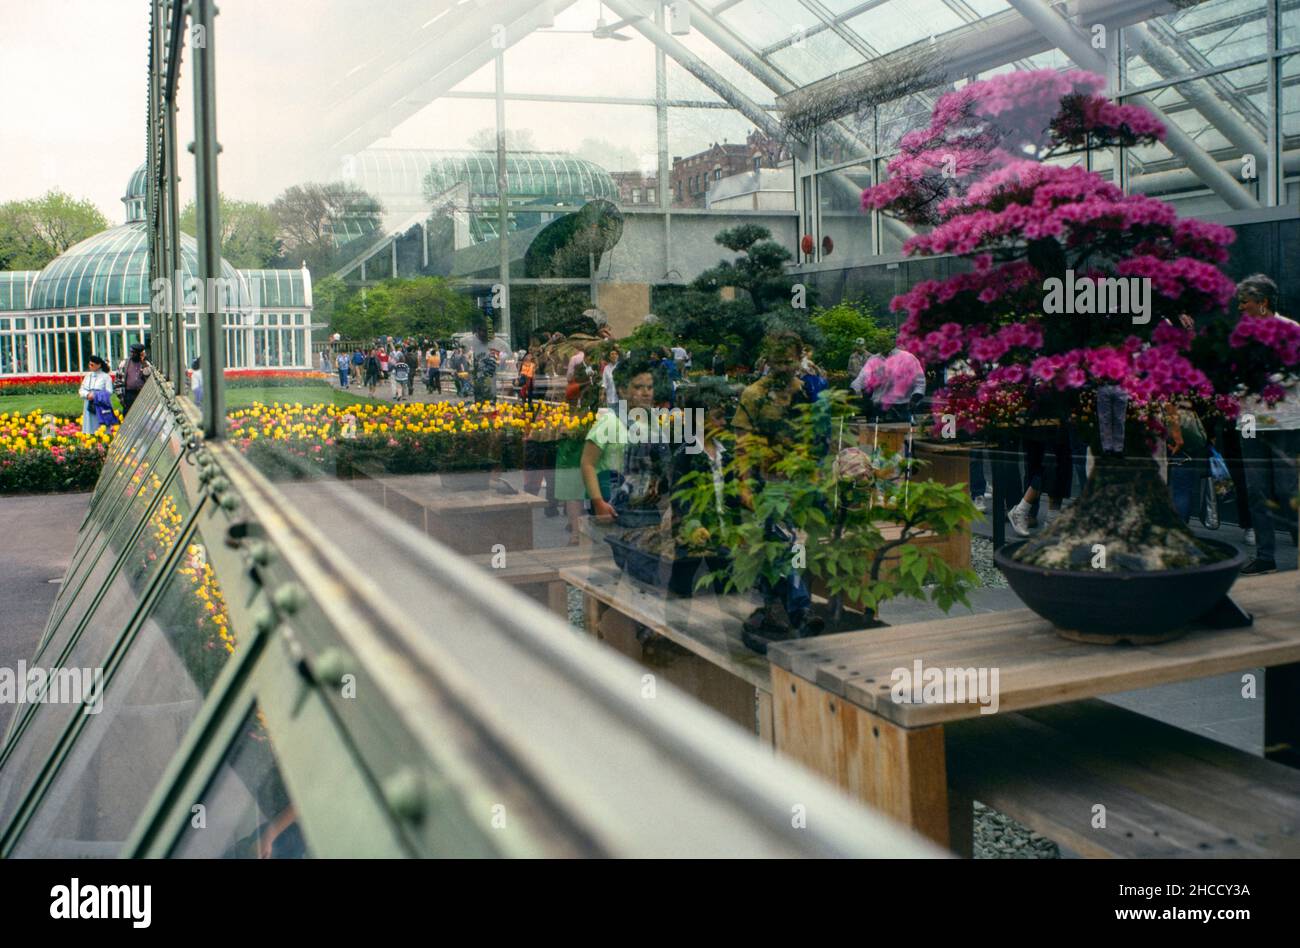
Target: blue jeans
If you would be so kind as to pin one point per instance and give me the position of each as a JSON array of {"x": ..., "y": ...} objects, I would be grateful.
[
  {"x": 791, "y": 589},
  {"x": 343, "y": 378},
  {"x": 1184, "y": 479},
  {"x": 1271, "y": 480}
]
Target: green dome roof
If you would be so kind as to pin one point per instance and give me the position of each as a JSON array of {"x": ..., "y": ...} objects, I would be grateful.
[
  {"x": 137, "y": 192},
  {"x": 111, "y": 269}
]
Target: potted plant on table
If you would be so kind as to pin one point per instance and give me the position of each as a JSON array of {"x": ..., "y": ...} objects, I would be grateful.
[
  {"x": 842, "y": 518},
  {"x": 1079, "y": 308}
]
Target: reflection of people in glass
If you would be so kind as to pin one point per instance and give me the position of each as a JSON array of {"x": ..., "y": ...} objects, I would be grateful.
[
  {"x": 765, "y": 429},
  {"x": 602, "y": 463},
  {"x": 1270, "y": 456}
]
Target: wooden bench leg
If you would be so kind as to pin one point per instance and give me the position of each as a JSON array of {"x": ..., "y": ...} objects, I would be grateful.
[
  {"x": 592, "y": 609},
  {"x": 715, "y": 687},
  {"x": 766, "y": 724},
  {"x": 557, "y": 598},
  {"x": 900, "y": 771},
  {"x": 1282, "y": 714},
  {"x": 961, "y": 824}
]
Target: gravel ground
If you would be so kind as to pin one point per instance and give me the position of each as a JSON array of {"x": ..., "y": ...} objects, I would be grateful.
[
  {"x": 998, "y": 836},
  {"x": 575, "y": 607},
  {"x": 981, "y": 560}
]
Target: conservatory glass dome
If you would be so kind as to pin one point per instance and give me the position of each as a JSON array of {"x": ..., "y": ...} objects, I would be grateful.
[{"x": 111, "y": 269}]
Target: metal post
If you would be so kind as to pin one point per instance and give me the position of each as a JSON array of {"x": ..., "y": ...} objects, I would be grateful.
[
  {"x": 661, "y": 138},
  {"x": 503, "y": 188},
  {"x": 205, "y": 149},
  {"x": 172, "y": 244},
  {"x": 153, "y": 154}
]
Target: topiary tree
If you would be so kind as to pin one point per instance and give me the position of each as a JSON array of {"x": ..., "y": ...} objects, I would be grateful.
[{"x": 1076, "y": 296}]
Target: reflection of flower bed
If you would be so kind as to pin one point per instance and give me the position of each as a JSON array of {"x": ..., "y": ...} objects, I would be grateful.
[
  {"x": 192, "y": 610},
  {"x": 315, "y": 440},
  {"x": 41, "y": 453}
]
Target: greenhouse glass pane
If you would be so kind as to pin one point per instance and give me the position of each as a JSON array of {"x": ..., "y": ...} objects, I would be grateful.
[
  {"x": 140, "y": 563},
  {"x": 249, "y": 813},
  {"x": 1156, "y": 171},
  {"x": 164, "y": 520},
  {"x": 895, "y": 25},
  {"x": 148, "y": 706}
]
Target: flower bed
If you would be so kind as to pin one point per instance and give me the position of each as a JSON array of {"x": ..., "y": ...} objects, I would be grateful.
[
  {"x": 321, "y": 440},
  {"x": 40, "y": 453},
  {"x": 41, "y": 384},
  {"x": 274, "y": 378}
]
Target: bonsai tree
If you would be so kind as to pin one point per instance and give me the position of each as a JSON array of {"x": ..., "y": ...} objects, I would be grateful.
[
  {"x": 766, "y": 300},
  {"x": 842, "y": 503},
  {"x": 1077, "y": 296}
]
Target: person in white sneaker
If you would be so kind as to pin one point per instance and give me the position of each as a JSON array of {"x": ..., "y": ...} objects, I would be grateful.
[{"x": 1021, "y": 516}]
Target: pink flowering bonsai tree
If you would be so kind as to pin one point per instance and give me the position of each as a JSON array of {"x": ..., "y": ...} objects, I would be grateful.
[{"x": 1075, "y": 306}]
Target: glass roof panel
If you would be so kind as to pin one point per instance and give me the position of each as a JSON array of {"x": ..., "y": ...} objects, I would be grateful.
[
  {"x": 893, "y": 26},
  {"x": 737, "y": 75},
  {"x": 764, "y": 22},
  {"x": 816, "y": 56},
  {"x": 987, "y": 7},
  {"x": 841, "y": 7},
  {"x": 576, "y": 63}
]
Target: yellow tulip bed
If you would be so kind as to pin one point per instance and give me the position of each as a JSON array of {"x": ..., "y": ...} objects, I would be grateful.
[{"x": 40, "y": 452}]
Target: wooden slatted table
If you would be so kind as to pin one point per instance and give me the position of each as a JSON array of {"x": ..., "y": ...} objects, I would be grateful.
[
  {"x": 537, "y": 572},
  {"x": 696, "y": 644},
  {"x": 834, "y": 710}
]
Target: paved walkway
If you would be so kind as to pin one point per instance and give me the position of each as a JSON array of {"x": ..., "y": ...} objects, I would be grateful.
[{"x": 40, "y": 535}]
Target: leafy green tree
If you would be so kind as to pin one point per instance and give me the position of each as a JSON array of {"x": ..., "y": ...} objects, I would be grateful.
[
  {"x": 421, "y": 307},
  {"x": 366, "y": 314},
  {"x": 34, "y": 232},
  {"x": 249, "y": 232},
  {"x": 844, "y": 323},
  {"x": 329, "y": 296},
  {"x": 429, "y": 307}
]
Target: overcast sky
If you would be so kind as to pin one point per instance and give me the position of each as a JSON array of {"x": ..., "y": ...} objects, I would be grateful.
[{"x": 73, "y": 90}]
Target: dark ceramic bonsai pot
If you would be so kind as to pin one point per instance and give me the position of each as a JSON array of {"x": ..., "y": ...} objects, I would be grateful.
[{"x": 1110, "y": 607}]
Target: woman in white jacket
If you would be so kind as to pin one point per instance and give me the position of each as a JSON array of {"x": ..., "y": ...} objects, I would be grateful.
[{"x": 96, "y": 380}]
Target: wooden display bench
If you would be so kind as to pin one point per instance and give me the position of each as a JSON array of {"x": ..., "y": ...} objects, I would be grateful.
[
  {"x": 693, "y": 643},
  {"x": 470, "y": 521},
  {"x": 536, "y": 573},
  {"x": 1169, "y": 792}
]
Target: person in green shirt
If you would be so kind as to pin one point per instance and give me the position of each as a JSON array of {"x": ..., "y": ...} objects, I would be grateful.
[{"x": 604, "y": 453}]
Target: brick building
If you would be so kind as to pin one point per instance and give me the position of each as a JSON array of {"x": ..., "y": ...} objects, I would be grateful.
[
  {"x": 636, "y": 187},
  {"x": 692, "y": 177}
]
